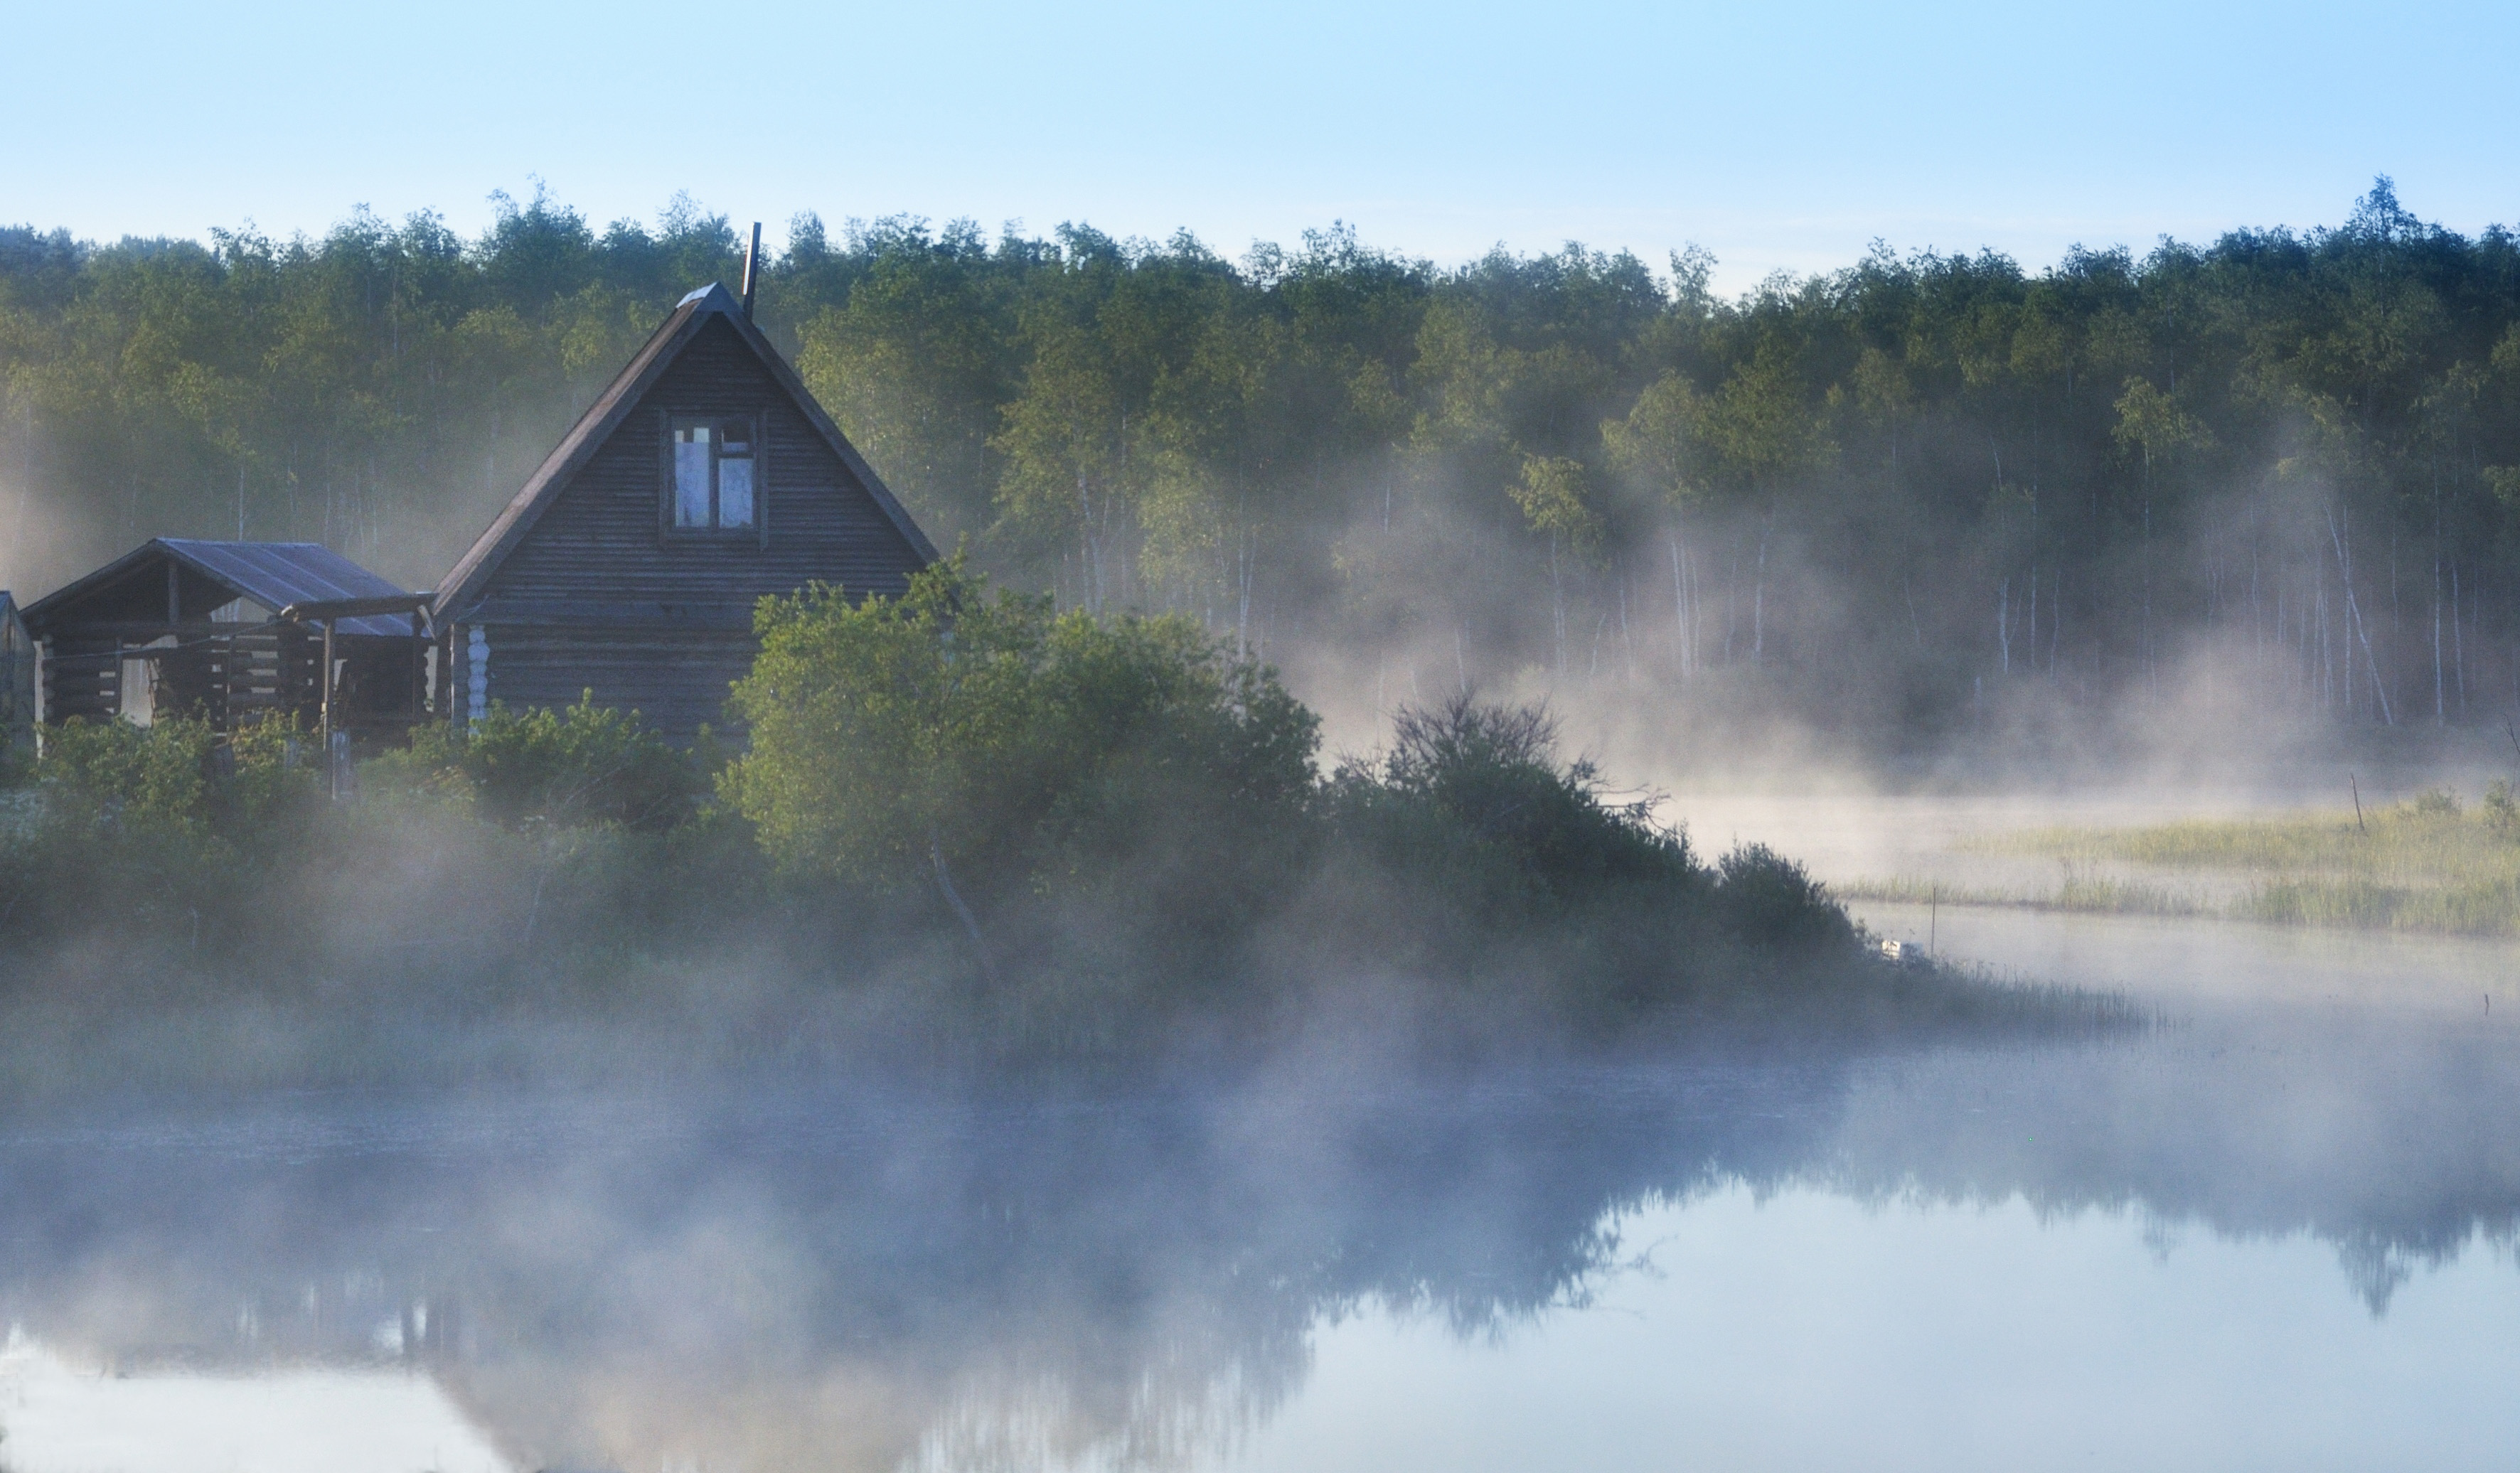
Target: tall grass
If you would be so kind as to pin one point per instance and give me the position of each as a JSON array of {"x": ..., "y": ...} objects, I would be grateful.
[
  {"x": 2429, "y": 865},
  {"x": 2092, "y": 894}
]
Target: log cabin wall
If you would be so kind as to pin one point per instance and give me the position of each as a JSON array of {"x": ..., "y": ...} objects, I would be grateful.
[
  {"x": 82, "y": 678},
  {"x": 191, "y": 619},
  {"x": 601, "y": 597},
  {"x": 227, "y": 679},
  {"x": 675, "y": 679},
  {"x": 604, "y": 539},
  {"x": 18, "y": 676}
]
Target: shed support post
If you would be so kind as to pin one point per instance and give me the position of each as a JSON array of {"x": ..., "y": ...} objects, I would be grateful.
[{"x": 332, "y": 778}]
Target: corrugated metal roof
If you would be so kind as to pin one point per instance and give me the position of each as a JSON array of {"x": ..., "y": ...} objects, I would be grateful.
[
  {"x": 277, "y": 574},
  {"x": 273, "y": 575}
]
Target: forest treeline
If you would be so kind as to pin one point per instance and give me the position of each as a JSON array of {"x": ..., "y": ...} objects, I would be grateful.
[{"x": 1894, "y": 496}]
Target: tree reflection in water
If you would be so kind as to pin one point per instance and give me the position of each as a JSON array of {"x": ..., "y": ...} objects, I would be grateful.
[{"x": 793, "y": 1277}]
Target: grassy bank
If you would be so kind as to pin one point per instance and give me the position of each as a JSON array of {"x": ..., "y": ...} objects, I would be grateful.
[{"x": 2431, "y": 865}]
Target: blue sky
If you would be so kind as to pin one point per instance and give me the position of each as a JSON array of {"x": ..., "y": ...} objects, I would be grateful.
[{"x": 1779, "y": 137}]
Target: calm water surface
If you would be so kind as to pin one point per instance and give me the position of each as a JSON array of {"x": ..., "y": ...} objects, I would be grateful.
[{"x": 2276, "y": 1232}]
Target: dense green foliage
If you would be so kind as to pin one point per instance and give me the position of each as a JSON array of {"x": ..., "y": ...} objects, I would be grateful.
[
  {"x": 147, "y": 828},
  {"x": 1897, "y": 491},
  {"x": 904, "y": 743},
  {"x": 1123, "y": 799},
  {"x": 1470, "y": 797},
  {"x": 571, "y": 767},
  {"x": 889, "y": 735},
  {"x": 966, "y": 820},
  {"x": 577, "y": 825}
]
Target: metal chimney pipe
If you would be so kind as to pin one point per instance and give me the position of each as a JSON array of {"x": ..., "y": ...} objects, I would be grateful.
[{"x": 752, "y": 269}]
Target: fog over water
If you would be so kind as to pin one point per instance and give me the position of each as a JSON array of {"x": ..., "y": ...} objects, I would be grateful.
[
  {"x": 1491, "y": 1130},
  {"x": 2276, "y": 1230}
]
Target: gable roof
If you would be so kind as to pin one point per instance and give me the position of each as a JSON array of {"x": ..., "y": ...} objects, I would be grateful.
[
  {"x": 273, "y": 575},
  {"x": 465, "y": 582}
]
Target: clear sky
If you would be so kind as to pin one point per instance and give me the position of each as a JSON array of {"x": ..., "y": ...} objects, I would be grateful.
[{"x": 1778, "y": 136}]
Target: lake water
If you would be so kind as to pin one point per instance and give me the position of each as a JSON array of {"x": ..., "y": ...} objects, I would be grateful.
[{"x": 2277, "y": 1231}]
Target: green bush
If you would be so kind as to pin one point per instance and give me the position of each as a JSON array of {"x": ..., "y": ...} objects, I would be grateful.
[
  {"x": 164, "y": 827},
  {"x": 113, "y": 774},
  {"x": 1474, "y": 792},
  {"x": 1123, "y": 787},
  {"x": 2436, "y": 803},
  {"x": 581, "y": 766},
  {"x": 991, "y": 748},
  {"x": 1769, "y": 902},
  {"x": 1121, "y": 823},
  {"x": 1528, "y": 876},
  {"x": 177, "y": 780}
]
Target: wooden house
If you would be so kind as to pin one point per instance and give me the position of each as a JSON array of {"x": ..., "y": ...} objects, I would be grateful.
[
  {"x": 17, "y": 680},
  {"x": 231, "y": 632},
  {"x": 703, "y": 478}
]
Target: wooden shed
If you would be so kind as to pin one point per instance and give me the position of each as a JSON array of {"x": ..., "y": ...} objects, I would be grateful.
[
  {"x": 704, "y": 477},
  {"x": 231, "y": 632},
  {"x": 17, "y": 680}
]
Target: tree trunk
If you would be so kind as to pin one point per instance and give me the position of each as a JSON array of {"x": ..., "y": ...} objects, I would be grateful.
[
  {"x": 2003, "y": 627},
  {"x": 2457, "y": 644},
  {"x": 1759, "y": 596},
  {"x": 962, "y": 912}
]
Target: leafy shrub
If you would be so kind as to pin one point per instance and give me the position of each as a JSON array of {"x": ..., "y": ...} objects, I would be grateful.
[
  {"x": 1766, "y": 901},
  {"x": 2436, "y": 803},
  {"x": 903, "y": 743},
  {"x": 1474, "y": 792},
  {"x": 177, "y": 778},
  {"x": 115, "y": 774},
  {"x": 171, "y": 822},
  {"x": 583, "y": 765}
]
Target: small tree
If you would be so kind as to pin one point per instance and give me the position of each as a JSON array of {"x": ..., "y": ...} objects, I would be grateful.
[
  {"x": 901, "y": 742},
  {"x": 581, "y": 766}
]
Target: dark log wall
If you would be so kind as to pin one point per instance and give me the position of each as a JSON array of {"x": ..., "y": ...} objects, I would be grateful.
[
  {"x": 82, "y": 678},
  {"x": 18, "y": 677},
  {"x": 271, "y": 671},
  {"x": 605, "y": 538},
  {"x": 676, "y": 680},
  {"x": 600, "y": 596},
  {"x": 228, "y": 678}
]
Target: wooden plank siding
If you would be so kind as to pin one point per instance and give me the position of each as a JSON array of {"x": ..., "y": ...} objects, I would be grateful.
[
  {"x": 583, "y": 588},
  {"x": 82, "y": 678},
  {"x": 227, "y": 679},
  {"x": 604, "y": 539},
  {"x": 19, "y": 676},
  {"x": 187, "y": 616},
  {"x": 676, "y": 680}
]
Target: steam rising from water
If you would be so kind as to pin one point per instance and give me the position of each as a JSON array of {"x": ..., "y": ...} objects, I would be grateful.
[{"x": 770, "y": 1273}]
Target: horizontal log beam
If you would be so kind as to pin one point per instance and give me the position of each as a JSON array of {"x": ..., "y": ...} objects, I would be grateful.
[{"x": 354, "y": 608}]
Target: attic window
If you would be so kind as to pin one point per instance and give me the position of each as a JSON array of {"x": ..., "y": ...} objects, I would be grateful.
[{"x": 712, "y": 472}]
